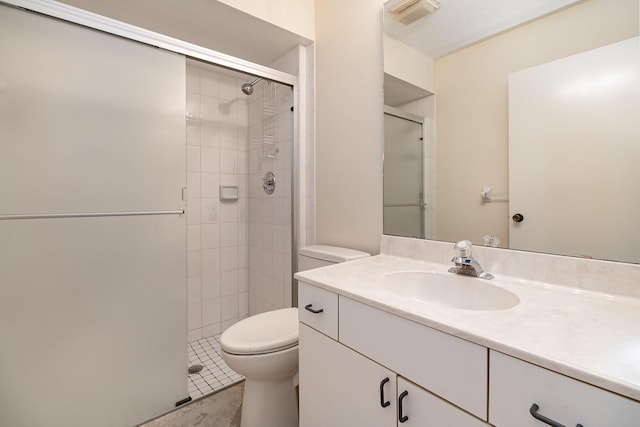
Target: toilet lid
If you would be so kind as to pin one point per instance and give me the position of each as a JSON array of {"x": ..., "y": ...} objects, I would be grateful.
[{"x": 263, "y": 333}]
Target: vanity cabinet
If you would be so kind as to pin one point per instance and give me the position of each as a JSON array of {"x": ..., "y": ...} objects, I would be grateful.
[
  {"x": 379, "y": 372},
  {"x": 341, "y": 388},
  {"x": 517, "y": 385}
]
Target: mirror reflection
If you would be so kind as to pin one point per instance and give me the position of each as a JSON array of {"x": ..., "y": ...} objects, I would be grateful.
[{"x": 528, "y": 124}]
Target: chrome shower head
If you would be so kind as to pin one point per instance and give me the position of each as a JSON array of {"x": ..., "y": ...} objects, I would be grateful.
[{"x": 247, "y": 88}]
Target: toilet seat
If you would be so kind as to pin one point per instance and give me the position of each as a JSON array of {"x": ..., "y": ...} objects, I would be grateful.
[{"x": 263, "y": 333}]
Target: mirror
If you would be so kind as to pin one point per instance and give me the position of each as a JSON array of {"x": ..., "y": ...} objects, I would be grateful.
[{"x": 452, "y": 69}]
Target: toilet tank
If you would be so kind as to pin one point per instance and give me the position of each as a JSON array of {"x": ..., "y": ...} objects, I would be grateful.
[{"x": 315, "y": 256}]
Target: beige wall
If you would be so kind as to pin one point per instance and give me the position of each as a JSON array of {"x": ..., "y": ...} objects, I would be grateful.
[
  {"x": 471, "y": 91},
  {"x": 349, "y": 112}
]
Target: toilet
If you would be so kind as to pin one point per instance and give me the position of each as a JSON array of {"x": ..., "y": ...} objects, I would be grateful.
[{"x": 264, "y": 349}]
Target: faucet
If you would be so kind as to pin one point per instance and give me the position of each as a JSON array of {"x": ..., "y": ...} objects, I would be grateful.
[{"x": 466, "y": 265}]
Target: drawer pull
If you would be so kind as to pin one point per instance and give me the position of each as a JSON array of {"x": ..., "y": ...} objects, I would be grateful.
[
  {"x": 308, "y": 308},
  {"x": 402, "y": 418},
  {"x": 534, "y": 412},
  {"x": 383, "y": 403}
]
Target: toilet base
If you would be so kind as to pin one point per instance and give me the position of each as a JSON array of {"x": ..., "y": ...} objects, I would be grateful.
[{"x": 269, "y": 404}]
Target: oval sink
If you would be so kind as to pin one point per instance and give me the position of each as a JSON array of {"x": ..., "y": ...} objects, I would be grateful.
[{"x": 451, "y": 290}]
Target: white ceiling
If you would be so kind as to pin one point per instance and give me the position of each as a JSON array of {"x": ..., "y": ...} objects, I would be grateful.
[{"x": 459, "y": 23}]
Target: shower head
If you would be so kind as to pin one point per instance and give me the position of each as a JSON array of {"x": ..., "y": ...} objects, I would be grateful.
[{"x": 247, "y": 88}]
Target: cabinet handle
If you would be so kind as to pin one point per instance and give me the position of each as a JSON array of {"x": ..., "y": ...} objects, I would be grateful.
[
  {"x": 383, "y": 403},
  {"x": 534, "y": 412},
  {"x": 308, "y": 308},
  {"x": 402, "y": 418}
]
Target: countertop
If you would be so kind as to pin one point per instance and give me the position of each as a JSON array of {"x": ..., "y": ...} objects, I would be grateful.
[{"x": 587, "y": 335}]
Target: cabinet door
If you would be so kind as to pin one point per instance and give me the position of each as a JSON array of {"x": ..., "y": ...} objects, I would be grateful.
[
  {"x": 341, "y": 388},
  {"x": 424, "y": 409}
]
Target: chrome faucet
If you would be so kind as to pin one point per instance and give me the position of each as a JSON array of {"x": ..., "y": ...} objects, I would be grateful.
[{"x": 466, "y": 265}]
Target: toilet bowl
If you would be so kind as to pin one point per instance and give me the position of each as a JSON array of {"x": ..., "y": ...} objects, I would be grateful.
[{"x": 264, "y": 349}]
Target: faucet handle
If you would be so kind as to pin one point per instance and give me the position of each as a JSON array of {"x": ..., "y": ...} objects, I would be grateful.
[{"x": 464, "y": 248}]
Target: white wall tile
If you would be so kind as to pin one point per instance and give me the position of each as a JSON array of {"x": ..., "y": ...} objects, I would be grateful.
[
  {"x": 229, "y": 259},
  {"x": 210, "y": 135},
  {"x": 194, "y": 319},
  {"x": 211, "y": 286},
  {"x": 209, "y": 109},
  {"x": 229, "y": 235},
  {"x": 194, "y": 290},
  {"x": 193, "y": 135},
  {"x": 210, "y": 185},
  {"x": 229, "y": 307},
  {"x": 209, "y": 159},
  {"x": 193, "y": 158},
  {"x": 211, "y": 259},
  {"x": 211, "y": 330},
  {"x": 209, "y": 83},
  {"x": 193, "y": 211},
  {"x": 229, "y": 283},
  {"x": 193, "y": 79},
  {"x": 211, "y": 312},
  {"x": 210, "y": 236},
  {"x": 193, "y": 237}
]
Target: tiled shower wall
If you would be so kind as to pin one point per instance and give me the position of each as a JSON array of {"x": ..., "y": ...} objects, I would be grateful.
[
  {"x": 270, "y": 221},
  {"x": 240, "y": 253},
  {"x": 217, "y": 230}
]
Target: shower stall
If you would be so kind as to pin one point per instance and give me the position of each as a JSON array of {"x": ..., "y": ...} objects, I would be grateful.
[
  {"x": 147, "y": 204},
  {"x": 239, "y": 206}
]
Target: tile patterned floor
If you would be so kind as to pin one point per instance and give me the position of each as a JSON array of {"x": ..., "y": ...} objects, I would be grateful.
[{"x": 215, "y": 374}]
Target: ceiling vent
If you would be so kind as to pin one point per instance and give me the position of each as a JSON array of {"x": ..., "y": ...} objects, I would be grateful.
[{"x": 409, "y": 11}]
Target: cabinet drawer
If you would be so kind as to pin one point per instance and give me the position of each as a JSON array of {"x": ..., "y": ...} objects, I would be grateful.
[
  {"x": 325, "y": 305},
  {"x": 516, "y": 385},
  {"x": 450, "y": 367}
]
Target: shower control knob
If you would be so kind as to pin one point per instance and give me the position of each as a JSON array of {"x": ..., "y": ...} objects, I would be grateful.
[{"x": 517, "y": 217}]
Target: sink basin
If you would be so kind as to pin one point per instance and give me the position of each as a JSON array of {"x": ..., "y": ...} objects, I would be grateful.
[{"x": 448, "y": 289}]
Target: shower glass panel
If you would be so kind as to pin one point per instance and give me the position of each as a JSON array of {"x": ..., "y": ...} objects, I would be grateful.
[{"x": 403, "y": 177}]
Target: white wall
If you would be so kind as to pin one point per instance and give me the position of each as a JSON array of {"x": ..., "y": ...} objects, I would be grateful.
[
  {"x": 349, "y": 113},
  {"x": 408, "y": 64},
  {"x": 296, "y": 16}
]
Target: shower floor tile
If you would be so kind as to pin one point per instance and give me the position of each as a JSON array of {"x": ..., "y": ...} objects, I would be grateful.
[{"x": 215, "y": 374}]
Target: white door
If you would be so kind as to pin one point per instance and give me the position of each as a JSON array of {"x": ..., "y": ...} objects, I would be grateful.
[
  {"x": 574, "y": 148},
  {"x": 92, "y": 309},
  {"x": 341, "y": 388}
]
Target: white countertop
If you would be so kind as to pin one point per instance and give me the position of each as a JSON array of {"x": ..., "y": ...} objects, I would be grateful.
[{"x": 588, "y": 335}]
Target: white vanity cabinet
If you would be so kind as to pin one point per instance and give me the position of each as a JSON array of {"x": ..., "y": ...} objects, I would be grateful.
[
  {"x": 517, "y": 385},
  {"x": 362, "y": 381}
]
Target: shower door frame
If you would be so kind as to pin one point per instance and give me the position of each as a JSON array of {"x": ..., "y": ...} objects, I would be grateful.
[{"x": 422, "y": 205}]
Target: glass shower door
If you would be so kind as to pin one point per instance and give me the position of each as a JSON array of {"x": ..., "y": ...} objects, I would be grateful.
[{"x": 404, "y": 206}]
